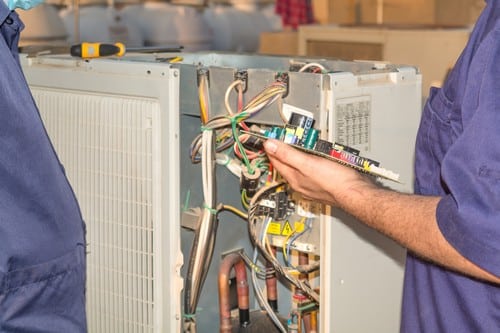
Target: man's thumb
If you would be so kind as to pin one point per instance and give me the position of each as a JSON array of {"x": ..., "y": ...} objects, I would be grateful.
[{"x": 271, "y": 147}]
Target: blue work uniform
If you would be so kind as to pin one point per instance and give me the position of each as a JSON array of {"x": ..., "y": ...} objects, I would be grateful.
[
  {"x": 42, "y": 243},
  {"x": 458, "y": 158}
]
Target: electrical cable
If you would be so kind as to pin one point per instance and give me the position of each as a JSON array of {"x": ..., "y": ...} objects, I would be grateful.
[
  {"x": 238, "y": 84},
  {"x": 312, "y": 64},
  {"x": 262, "y": 272},
  {"x": 204, "y": 240},
  {"x": 204, "y": 98},
  {"x": 244, "y": 199},
  {"x": 251, "y": 155},
  {"x": 226, "y": 96},
  {"x": 284, "y": 271},
  {"x": 290, "y": 239},
  {"x": 301, "y": 268},
  {"x": 234, "y": 210},
  {"x": 261, "y": 298},
  {"x": 266, "y": 97}
]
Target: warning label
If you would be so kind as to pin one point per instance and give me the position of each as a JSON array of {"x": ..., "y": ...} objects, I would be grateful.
[
  {"x": 287, "y": 229},
  {"x": 274, "y": 228}
]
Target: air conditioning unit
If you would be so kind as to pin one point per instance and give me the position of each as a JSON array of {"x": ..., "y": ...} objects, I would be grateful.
[{"x": 123, "y": 127}]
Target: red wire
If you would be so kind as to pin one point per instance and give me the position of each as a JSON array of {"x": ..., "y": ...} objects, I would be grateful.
[{"x": 240, "y": 107}]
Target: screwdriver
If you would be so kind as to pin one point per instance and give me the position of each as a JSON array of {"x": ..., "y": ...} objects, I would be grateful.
[{"x": 96, "y": 50}]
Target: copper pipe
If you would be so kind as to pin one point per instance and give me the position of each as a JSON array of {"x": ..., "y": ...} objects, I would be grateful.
[
  {"x": 229, "y": 262},
  {"x": 272, "y": 285},
  {"x": 304, "y": 260}
]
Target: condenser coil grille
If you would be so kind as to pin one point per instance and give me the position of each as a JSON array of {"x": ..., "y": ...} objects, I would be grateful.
[{"x": 104, "y": 143}]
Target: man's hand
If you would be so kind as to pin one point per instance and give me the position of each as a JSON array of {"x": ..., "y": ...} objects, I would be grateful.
[{"x": 315, "y": 177}]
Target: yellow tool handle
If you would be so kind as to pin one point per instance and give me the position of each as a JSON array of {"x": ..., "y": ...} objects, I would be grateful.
[{"x": 96, "y": 50}]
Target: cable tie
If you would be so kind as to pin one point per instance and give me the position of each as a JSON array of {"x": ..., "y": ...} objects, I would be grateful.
[
  {"x": 189, "y": 316},
  {"x": 210, "y": 209},
  {"x": 204, "y": 128}
]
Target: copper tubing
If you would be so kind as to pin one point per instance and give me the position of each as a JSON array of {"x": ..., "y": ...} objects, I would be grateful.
[
  {"x": 304, "y": 260},
  {"x": 272, "y": 286},
  {"x": 229, "y": 262}
]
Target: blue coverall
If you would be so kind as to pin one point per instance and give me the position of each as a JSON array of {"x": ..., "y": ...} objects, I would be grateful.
[
  {"x": 458, "y": 158},
  {"x": 42, "y": 237}
]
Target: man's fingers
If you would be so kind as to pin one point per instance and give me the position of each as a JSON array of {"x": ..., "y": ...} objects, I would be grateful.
[{"x": 284, "y": 153}]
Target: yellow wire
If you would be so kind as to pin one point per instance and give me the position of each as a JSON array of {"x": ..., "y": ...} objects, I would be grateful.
[
  {"x": 294, "y": 231},
  {"x": 203, "y": 107},
  {"x": 244, "y": 199},
  {"x": 235, "y": 211}
]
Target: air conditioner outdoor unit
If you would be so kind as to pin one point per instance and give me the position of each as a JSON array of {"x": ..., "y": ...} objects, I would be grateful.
[{"x": 122, "y": 128}]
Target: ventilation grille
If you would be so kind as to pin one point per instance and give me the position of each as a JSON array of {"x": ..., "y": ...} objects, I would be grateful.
[{"x": 104, "y": 143}]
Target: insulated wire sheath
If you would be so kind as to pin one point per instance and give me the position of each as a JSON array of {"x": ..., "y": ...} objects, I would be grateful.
[
  {"x": 260, "y": 296},
  {"x": 203, "y": 244}
]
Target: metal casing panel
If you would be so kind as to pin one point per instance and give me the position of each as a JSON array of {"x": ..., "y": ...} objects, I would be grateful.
[
  {"x": 115, "y": 127},
  {"x": 363, "y": 287}
]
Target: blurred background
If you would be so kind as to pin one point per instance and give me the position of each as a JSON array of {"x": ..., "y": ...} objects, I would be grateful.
[{"x": 425, "y": 33}]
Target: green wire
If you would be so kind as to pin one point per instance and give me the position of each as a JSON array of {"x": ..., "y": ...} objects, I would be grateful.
[{"x": 234, "y": 121}]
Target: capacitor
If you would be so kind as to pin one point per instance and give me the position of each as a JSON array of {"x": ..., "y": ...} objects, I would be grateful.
[
  {"x": 277, "y": 133},
  {"x": 312, "y": 137}
]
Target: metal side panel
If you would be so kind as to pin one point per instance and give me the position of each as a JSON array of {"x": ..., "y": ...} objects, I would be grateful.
[
  {"x": 362, "y": 270},
  {"x": 115, "y": 127}
]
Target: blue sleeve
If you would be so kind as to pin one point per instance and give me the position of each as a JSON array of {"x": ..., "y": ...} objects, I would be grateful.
[{"x": 469, "y": 216}]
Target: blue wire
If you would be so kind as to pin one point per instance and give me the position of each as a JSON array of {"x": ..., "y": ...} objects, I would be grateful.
[{"x": 293, "y": 239}]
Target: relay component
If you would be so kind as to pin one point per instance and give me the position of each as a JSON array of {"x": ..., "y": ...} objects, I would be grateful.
[{"x": 275, "y": 205}]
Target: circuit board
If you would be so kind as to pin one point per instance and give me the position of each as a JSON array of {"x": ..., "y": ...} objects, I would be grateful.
[{"x": 373, "y": 170}]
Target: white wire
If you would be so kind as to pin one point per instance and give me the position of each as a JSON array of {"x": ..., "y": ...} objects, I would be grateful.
[
  {"x": 260, "y": 106},
  {"x": 206, "y": 166},
  {"x": 312, "y": 64},
  {"x": 260, "y": 295},
  {"x": 226, "y": 96}
]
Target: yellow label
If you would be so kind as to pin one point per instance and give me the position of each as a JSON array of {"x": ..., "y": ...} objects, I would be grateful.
[
  {"x": 299, "y": 226},
  {"x": 287, "y": 229},
  {"x": 274, "y": 228}
]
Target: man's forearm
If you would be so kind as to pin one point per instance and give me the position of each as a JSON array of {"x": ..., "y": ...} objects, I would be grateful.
[
  {"x": 411, "y": 221},
  {"x": 408, "y": 219}
]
